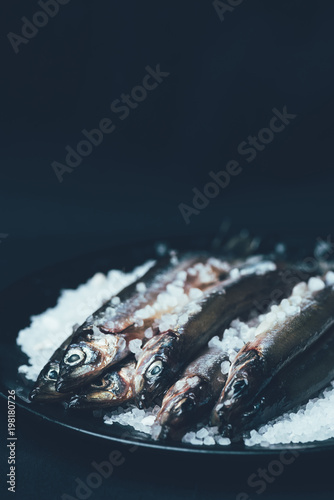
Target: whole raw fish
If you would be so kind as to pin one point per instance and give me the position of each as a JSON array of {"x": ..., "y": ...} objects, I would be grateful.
[
  {"x": 285, "y": 332},
  {"x": 193, "y": 395},
  {"x": 294, "y": 385}
]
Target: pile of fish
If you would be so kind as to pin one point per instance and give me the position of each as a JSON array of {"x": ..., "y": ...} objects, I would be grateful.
[{"x": 153, "y": 343}]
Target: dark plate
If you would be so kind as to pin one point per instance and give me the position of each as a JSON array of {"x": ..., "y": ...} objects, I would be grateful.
[{"x": 37, "y": 292}]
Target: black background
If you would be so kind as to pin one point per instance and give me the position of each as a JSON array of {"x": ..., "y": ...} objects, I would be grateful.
[{"x": 225, "y": 77}]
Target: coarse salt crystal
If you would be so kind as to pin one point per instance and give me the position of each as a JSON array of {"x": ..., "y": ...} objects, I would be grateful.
[
  {"x": 182, "y": 276},
  {"x": 329, "y": 278},
  {"x": 202, "y": 433},
  {"x": 192, "y": 271},
  {"x": 149, "y": 420},
  {"x": 300, "y": 289},
  {"x": 195, "y": 293},
  {"x": 225, "y": 367},
  {"x": 223, "y": 441},
  {"x": 135, "y": 345},
  {"x": 148, "y": 333},
  {"x": 209, "y": 441},
  {"x": 183, "y": 319},
  {"x": 141, "y": 287},
  {"x": 315, "y": 284},
  {"x": 235, "y": 273}
]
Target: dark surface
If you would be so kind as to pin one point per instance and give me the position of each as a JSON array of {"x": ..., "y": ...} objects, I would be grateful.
[{"x": 225, "y": 79}]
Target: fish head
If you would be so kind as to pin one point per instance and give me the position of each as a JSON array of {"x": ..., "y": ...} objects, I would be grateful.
[
  {"x": 238, "y": 390},
  {"x": 87, "y": 357},
  {"x": 112, "y": 389},
  {"x": 45, "y": 386},
  {"x": 155, "y": 368},
  {"x": 178, "y": 407}
]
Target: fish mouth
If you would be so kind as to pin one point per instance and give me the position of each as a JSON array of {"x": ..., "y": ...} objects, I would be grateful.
[
  {"x": 159, "y": 431},
  {"x": 231, "y": 404},
  {"x": 93, "y": 401},
  {"x": 39, "y": 394},
  {"x": 68, "y": 381},
  {"x": 173, "y": 417},
  {"x": 78, "y": 402},
  {"x": 167, "y": 433},
  {"x": 143, "y": 400}
]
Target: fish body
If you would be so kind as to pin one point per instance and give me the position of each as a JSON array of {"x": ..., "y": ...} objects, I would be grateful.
[
  {"x": 192, "y": 395},
  {"x": 279, "y": 339},
  {"x": 104, "y": 338},
  {"x": 111, "y": 389},
  {"x": 166, "y": 354},
  {"x": 293, "y": 386}
]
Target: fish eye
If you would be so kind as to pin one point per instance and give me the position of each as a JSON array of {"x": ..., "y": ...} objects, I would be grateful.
[
  {"x": 155, "y": 369},
  {"x": 240, "y": 386},
  {"x": 52, "y": 374},
  {"x": 74, "y": 357},
  {"x": 100, "y": 384}
]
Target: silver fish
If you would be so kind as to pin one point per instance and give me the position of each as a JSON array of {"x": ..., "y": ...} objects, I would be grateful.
[
  {"x": 276, "y": 344},
  {"x": 294, "y": 385},
  {"x": 104, "y": 339},
  {"x": 164, "y": 356},
  {"x": 192, "y": 395}
]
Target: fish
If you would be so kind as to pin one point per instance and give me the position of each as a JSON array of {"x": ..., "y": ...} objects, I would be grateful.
[
  {"x": 193, "y": 395},
  {"x": 111, "y": 389},
  {"x": 104, "y": 338},
  {"x": 164, "y": 356},
  {"x": 285, "y": 332},
  {"x": 45, "y": 386},
  {"x": 293, "y": 386}
]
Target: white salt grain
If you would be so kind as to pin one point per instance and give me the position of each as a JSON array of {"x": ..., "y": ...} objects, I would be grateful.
[
  {"x": 149, "y": 420},
  {"x": 202, "y": 433},
  {"x": 235, "y": 273},
  {"x": 148, "y": 333},
  {"x": 195, "y": 293},
  {"x": 209, "y": 441},
  {"x": 329, "y": 278},
  {"x": 225, "y": 367},
  {"x": 135, "y": 345},
  {"x": 315, "y": 284},
  {"x": 141, "y": 287},
  {"x": 223, "y": 441}
]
